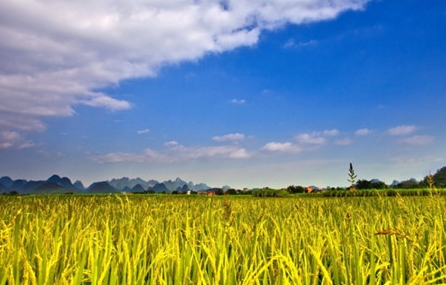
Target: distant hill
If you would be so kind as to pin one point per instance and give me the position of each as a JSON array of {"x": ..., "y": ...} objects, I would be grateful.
[
  {"x": 78, "y": 184},
  {"x": 50, "y": 188},
  {"x": 17, "y": 185},
  {"x": 3, "y": 188},
  {"x": 138, "y": 188},
  {"x": 54, "y": 184},
  {"x": 159, "y": 187},
  {"x": 185, "y": 188},
  {"x": 199, "y": 187},
  {"x": 54, "y": 179},
  {"x": 101, "y": 187},
  {"x": 123, "y": 184},
  {"x": 6, "y": 181},
  {"x": 174, "y": 185},
  {"x": 30, "y": 186},
  {"x": 57, "y": 184},
  {"x": 65, "y": 182}
]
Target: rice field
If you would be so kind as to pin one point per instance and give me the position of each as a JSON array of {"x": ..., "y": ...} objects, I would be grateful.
[{"x": 213, "y": 240}]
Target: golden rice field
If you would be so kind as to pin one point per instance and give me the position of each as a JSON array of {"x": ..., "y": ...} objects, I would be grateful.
[{"x": 213, "y": 240}]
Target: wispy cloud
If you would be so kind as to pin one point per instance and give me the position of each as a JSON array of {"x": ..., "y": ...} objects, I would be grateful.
[
  {"x": 12, "y": 139},
  {"x": 402, "y": 130},
  {"x": 418, "y": 140},
  {"x": 59, "y": 54},
  {"x": 316, "y": 138},
  {"x": 292, "y": 44},
  {"x": 289, "y": 44},
  {"x": 173, "y": 153},
  {"x": 344, "y": 141},
  {"x": 281, "y": 147},
  {"x": 145, "y": 131},
  {"x": 363, "y": 132},
  {"x": 178, "y": 152},
  {"x": 229, "y": 137},
  {"x": 171, "y": 144},
  {"x": 313, "y": 138},
  {"x": 104, "y": 101},
  {"x": 238, "y": 101},
  {"x": 8, "y": 139},
  {"x": 26, "y": 144},
  {"x": 330, "y": 133},
  {"x": 303, "y": 142},
  {"x": 124, "y": 157}
]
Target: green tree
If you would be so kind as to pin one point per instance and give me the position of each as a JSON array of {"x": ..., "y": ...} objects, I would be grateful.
[
  {"x": 295, "y": 189},
  {"x": 379, "y": 185},
  {"x": 363, "y": 184},
  {"x": 440, "y": 177},
  {"x": 219, "y": 191},
  {"x": 351, "y": 177},
  {"x": 370, "y": 184},
  {"x": 231, "y": 192}
]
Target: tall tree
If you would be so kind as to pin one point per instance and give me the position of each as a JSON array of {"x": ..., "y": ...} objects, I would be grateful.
[
  {"x": 351, "y": 177},
  {"x": 363, "y": 184},
  {"x": 430, "y": 181}
]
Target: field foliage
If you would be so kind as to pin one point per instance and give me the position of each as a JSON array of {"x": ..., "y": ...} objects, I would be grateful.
[{"x": 215, "y": 240}]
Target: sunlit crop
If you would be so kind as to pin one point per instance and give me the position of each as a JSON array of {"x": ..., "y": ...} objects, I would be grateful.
[{"x": 213, "y": 240}]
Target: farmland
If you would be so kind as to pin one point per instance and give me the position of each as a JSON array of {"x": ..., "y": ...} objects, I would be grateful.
[{"x": 114, "y": 239}]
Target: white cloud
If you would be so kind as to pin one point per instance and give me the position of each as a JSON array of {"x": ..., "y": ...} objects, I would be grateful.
[
  {"x": 281, "y": 147},
  {"x": 59, "y": 53},
  {"x": 363, "y": 132},
  {"x": 330, "y": 133},
  {"x": 229, "y": 137},
  {"x": 12, "y": 139},
  {"x": 11, "y": 121},
  {"x": 402, "y": 130},
  {"x": 171, "y": 144},
  {"x": 305, "y": 142},
  {"x": 418, "y": 140},
  {"x": 106, "y": 102},
  {"x": 10, "y": 136},
  {"x": 26, "y": 144},
  {"x": 120, "y": 157},
  {"x": 174, "y": 153},
  {"x": 313, "y": 138},
  {"x": 240, "y": 153},
  {"x": 316, "y": 138},
  {"x": 145, "y": 131},
  {"x": 182, "y": 153}
]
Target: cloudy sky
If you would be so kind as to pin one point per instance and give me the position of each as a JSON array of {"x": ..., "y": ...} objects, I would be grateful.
[{"x": 237, "y": 92}]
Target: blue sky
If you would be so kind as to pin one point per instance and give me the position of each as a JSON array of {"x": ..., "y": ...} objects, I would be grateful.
[{"x": 270, "y": 93}]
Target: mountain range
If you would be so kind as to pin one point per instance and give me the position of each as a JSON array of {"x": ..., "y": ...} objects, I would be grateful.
[{"x": 57, "y": 184}]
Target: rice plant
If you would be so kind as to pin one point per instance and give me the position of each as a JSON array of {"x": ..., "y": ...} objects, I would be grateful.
[{"x": 212, "y": 240}]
